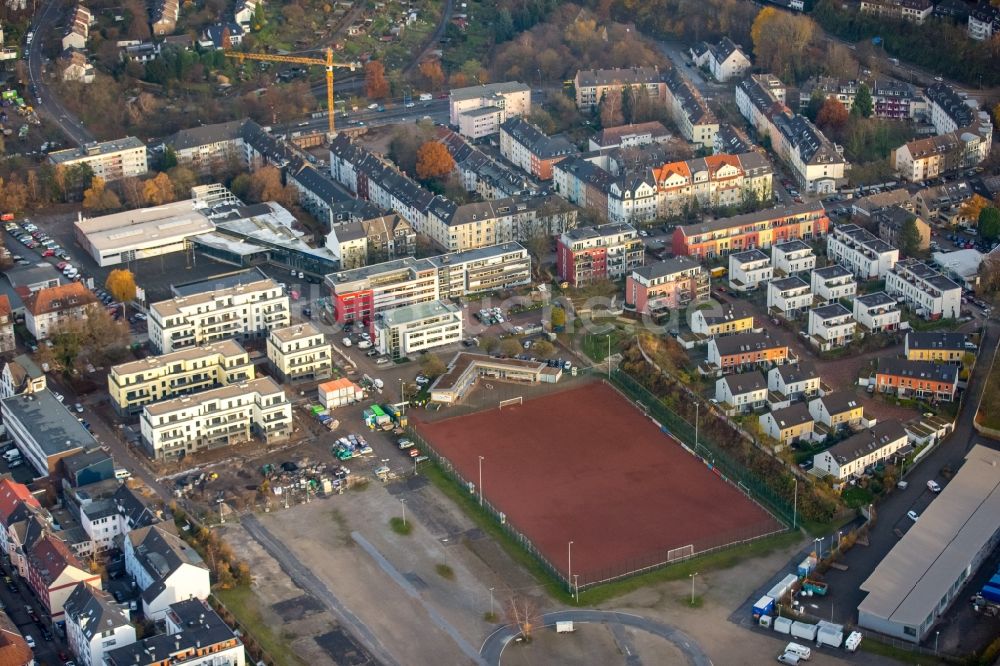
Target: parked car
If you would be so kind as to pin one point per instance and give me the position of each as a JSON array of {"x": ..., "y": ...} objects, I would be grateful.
[
  {"x": 933, "y": 486},
  {"x": 912, "y": 515}
]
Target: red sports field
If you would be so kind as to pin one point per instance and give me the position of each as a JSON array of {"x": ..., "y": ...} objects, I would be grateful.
[{"x": 586, "y": 466}]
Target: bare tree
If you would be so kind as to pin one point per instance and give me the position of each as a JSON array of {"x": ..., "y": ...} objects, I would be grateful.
[{"x": 524, "y": 613}]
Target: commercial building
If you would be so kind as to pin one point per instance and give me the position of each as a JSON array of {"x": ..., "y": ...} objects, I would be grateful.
[
  {"x": 749, "y": 270},
  {"x": 194, "y": 635},
  {"x": 165, "y": 568},
  {"x": 512, "y": 98},
  {"x": 95, "y": 625},
  {"x": 859, "y": 251},
  {"x": 419, "y": 327},
  {"x": 217, "y": 417},
  {"x": 831, "y": 326},
  {"x": 792, "y": 257},
  {"x": 724, "y": 59},
  {"x": 937, "y": 346},
  {"x": 832, "y": 283},
  {"x": 135, "y": 384},
  {"x": 741, "y": 393},
  {"x": 655, "y": 289},
  {"x": 593, "y": 85},
  {"x": 724, "y": 236},
  {"x": 851, "y": 457},
  {"x": 465, "y": 368},
  {"x": 530, "y": 149},
  {"x": 788, "y": 425},
  {"x": 110, "y": 160},
  {"x": 925, "y": 572},
  {"x": 591, "y": 254},
  {"x": 140, "y": 234},
  {"x": 929, "y": 293},
  {"x": 744, "y": 351},
  {"x": 299, "y": 352},
  {"x": 49, "y": 308},
  {"x": 919, "y": 379},
  {"x": 244, "y": 305},
  {"x": 788, "y": 297},
  {"x": 689, "y": 110},
  {"x": 44, "y": 430},
  {"x": 877, "y": 313},
  {"x": 358, "y": 295}
]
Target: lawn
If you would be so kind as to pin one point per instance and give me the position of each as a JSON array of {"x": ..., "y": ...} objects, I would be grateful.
[
  {"x": 991, "y": 396},
  {"x": 596, "y": 346},
  {"x": 243, "y": 603},
  {"x": 855, "y": 496}
]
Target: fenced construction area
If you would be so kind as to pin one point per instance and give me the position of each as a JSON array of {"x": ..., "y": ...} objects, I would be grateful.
[{"x": 591, "y": 486}]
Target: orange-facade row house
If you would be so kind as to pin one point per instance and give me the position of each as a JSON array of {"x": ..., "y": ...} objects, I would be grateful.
[
  {"x": 921, "y": 379},
  {"x": 724, "y": 236},
  {"x": 736, "y": 352}
]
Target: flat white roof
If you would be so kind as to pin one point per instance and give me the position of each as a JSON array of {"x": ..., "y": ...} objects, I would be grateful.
[
  {"x": 919, "y": 571},
  {"x": 145, "y": 226}
]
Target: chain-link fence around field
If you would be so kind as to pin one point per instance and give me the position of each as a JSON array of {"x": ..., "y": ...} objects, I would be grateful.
[{"x": 710, "y": 452}]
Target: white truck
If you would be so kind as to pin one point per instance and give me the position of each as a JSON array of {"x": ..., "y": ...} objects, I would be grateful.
[
  {"x": 853, "y": 641},
  {"x": 12, "y": 454},
  {"x": 426, "y": 97}
]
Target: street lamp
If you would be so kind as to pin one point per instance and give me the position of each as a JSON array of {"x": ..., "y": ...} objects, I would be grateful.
[
  {"x": 697, "y": 418},
  {"x": 819, "y": 552},
  {"x": 691, "y": 576},
  {"x": 481, "y": 480},
  {"x": 609, "y": 356},
  {"x": 569, "y": 560},
  {"x": 576, "y": 584},
  {"x": 402, "y": 503},
  {"x": 838, "y": 540},
  {"x": 491, "y": 601},
  {"x": 402, "y": 390},
  {"x": 937, "y": 635},
  {"x": 795, "y": 506}
]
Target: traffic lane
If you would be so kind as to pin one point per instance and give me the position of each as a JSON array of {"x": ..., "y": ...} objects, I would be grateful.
[{"x": 16, "y": 604}]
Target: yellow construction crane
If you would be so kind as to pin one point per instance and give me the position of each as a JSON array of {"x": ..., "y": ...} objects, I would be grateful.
[{"x": 328, "y": 63}]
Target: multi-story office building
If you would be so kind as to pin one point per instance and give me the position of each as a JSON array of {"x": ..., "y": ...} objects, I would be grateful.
[
  {"x": 245, "y": 306},
  {"x": 217, "y": 417},
  {"x": 135, "y": 384},
  {"x": 512, "y": 98},
  {"x": 606, "y": 252},
  {"x": 928, "y": 292},
  {"x": 300, "y": 352},
  {"x": 418, "y": 327},
  {"x": 110, "y": 160}
]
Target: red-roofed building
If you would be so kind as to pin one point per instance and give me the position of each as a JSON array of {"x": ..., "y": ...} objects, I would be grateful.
[
  {"x": 16, "y": 506},
  {"x": 46, "y": 308},
  {"x": 54, "y": 572},
  {"x": 14, "y": 650}
]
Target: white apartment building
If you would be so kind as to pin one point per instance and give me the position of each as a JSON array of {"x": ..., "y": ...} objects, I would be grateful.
[
  {"x": 795, "y": 381},
  {"x": 748, "y": 270},
  {"x": 929, "y": 293},
  {"x": 831, "y": 326},
  {"x": 788, "y": 296},
  {"x": 246, "y": 310},
  {"x": 852, "y": 456},
  {"x": 217, "y": 417},
  {"x": 792, "y": 257},
  {"x": 481, "y": 122},
  {"x": 165, "y": 568},
  {"x": 877, "y": 313},
  {"x": 832, "y": 283},
  {"x": 419, "y": 327},
  {"x": 110, "y": 160},
  {"x": 300, "y": 352},
  {"x": 689, "y": 110},
  {"x": 513, "y": 97},
  {"x": 725, "y": 60},
  {"x": 859, "y": 251},
  {"x": 95, "y": 625},
  {"x": 135, "y": 384},
  {"x": 741, "y": 393}
]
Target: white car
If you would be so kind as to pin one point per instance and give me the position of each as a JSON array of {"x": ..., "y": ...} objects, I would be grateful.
[
  {"x": 364, "y": 344},
  {"x": 912, "y": 515},
  {"x": 347, "y": 342},
  {"x": 30, "y": 640}
]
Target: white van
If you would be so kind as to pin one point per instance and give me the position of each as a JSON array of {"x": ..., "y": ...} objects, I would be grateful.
[
  {"x": 800, "y": 651},
  {"x": 933, "y": 486},
  {"x": 121, "y": 474},
  {"x": 12, "y": 454},
  {"x": 789, "y": 658}
]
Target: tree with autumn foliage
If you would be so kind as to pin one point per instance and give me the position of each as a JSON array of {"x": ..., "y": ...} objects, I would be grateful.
[
  {"x": 434, "y": 161},
  {"x": 121, "y": 285},
  {"x": 99, "y": 198},
  {"x": 432, "y": 73},
  {"x": 159, "y": 190},
  {"x": 832, "y": 115},
  {"x": 780, "y": 40},
  {"x": 376, "y": 85}
]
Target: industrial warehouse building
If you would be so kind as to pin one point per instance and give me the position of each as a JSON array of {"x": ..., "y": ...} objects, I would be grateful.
[{"x": 924, "y": 573}]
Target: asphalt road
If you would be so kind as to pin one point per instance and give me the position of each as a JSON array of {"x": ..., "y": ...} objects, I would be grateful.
[
  {"x": 495, "y": 643},
  {"x": 436, "y": 110},
  {"x": 16, "y": 604},
  {"x": 50, "y": 107}
]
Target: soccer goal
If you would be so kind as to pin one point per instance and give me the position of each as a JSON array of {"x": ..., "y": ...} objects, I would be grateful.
[
  {"x": 519, "y": 400},
  {"x": 680, "y": 553}
]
